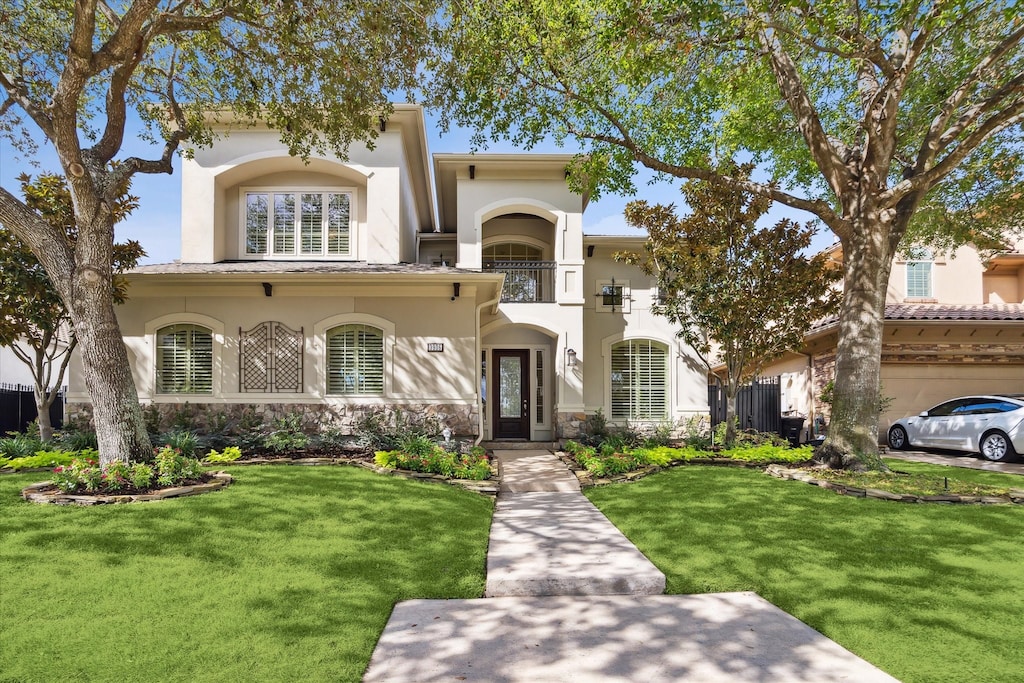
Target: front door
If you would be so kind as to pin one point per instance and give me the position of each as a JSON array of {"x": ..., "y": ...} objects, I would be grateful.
[{"x": 512, "y": 390}]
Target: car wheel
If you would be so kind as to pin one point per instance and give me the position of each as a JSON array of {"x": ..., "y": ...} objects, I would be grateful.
[
  {"x": 898, "y": 440},
  {"x": 996, "y": 447}
]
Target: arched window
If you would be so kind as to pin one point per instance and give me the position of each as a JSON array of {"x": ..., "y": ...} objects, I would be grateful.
[
  {"x": 919, "y": 273},
  {"x": 355, "y": 360},
  {"x": 511, "y": 251},
  {"x": 639, "y": 380},
  {"x": 184, "y": 359}
]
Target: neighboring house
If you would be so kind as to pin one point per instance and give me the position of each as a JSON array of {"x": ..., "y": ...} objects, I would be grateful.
[
  {"x": 335, "y": 288},
  {"x": 954, "y": 325}
]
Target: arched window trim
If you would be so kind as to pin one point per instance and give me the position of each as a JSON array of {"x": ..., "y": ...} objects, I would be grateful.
[
  {"x": 321, "y": 350},
  {"x": 607, "y": 347},
  {"x": 149, "y": 388}
]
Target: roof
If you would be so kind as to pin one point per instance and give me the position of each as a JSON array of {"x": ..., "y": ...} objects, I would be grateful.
[
  {"x": 279, "y": 267},
  {"x": 942, "y": 313}
]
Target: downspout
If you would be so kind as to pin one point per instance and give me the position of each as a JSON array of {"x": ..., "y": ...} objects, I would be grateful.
[{"x": 476, "y": 362}]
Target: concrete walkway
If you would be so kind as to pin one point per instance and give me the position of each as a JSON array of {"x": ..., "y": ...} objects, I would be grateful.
[
  {"x": 569, "y": 598},
  {"x": 952, "y": 459}
]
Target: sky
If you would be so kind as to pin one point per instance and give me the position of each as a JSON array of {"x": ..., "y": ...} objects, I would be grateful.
[{"x": 156, "y": 224}]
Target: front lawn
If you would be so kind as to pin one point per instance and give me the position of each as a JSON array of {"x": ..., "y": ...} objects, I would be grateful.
[
  {"x": 927, "y": 592},
  {"x": 288, "y": 574}
]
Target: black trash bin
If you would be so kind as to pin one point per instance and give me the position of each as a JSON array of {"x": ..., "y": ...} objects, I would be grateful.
[{"x": 791, "y": 429}]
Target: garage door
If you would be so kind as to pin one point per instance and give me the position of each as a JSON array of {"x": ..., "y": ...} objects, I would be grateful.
[{"x": 916, "y": 387}]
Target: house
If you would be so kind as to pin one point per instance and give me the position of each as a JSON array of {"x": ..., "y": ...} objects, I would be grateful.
[
  {"x": 954, "y": 325},
  {"x": 458, "y": 286}
]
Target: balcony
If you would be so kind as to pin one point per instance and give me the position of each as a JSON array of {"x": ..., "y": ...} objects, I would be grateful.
[{"x": 525, "y": 281}]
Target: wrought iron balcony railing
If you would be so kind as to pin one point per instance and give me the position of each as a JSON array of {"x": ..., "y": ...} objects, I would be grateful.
[{"x": 526, "y": 281}]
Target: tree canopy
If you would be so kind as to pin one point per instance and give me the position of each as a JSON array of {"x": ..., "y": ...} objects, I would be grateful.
[
  {"x": 885, "y": 119},
  {"x": 742, "y": 295},
  {"x": 34, "y": 322},
  {"x": 71, "y": 74}
]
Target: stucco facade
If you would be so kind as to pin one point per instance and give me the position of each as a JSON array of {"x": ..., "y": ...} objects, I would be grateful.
[
  {"x": 954, "y": 326},
  {"x": 341, "y": 286}
]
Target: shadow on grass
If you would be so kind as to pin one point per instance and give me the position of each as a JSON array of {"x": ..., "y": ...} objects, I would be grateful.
[
  {"x": 917, "y": 589},
  {"x": 288, "y": 574}
]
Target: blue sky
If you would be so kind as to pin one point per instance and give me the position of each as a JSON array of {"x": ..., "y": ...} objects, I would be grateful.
[{"x": 156, "y": 224}]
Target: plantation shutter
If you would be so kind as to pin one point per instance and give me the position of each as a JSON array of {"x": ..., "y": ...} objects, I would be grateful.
[
  {"x": 284, "y": 224},
  {"x": 312, "y": 223},
  {"x": 639, "y": 380},
  {"x": 355, "y": 360},
  {"x": 184, "y": 359},
  {"x": 338, "y": 220}
]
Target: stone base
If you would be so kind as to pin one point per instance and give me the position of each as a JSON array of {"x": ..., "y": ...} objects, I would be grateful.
[
  {"x": 462, "y": 419},
  {"x": 46, "y": 492}
]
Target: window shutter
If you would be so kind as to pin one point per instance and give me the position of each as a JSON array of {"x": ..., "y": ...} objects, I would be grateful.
[
  {"x": 639, "y": 380},
  {"x": 284, "y": 224},
  {"x": 184, "y": 360},
  {"x": 338, "y": 219},
  {"x": 312, "y": 223},
  {"x": 256, "y": 223},
  {"x": 355, "y": 360}
]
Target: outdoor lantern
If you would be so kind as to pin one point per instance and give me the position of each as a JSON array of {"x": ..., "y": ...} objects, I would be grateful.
[{"x": 570, "y": 358}]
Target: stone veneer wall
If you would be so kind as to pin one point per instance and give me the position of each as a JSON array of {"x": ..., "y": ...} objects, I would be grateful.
[
  {"x": 568, "y": 425},
  {"x": 823, "y": 370},
  {"x": 463, "y": 420}
]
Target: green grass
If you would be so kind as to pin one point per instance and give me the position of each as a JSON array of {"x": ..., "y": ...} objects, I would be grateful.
[
  {"x": 289, "y": 574},
  {"x": 926, "y": 592}
]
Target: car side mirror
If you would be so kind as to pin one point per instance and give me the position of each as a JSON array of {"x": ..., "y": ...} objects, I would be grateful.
[{"x": 924, "y": 413}]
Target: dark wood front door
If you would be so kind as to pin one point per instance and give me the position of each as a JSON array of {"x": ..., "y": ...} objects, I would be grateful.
[{"x": 512, "y": 391}]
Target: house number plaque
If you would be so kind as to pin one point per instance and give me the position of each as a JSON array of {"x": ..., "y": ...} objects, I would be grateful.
[{"x": 435, "y": 347}]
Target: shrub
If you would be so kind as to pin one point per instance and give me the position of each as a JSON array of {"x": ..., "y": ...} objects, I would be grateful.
[
  {"x": 76, "y": 435},
  {"x": 385, "y": 430},
  {"x": 174, "y": 468},
  {"x": 286, "y": 435},
  {"x": 44, "y": 459},
  {"x": 332, "y": 437},
  {"x": 768, "y": 453},
  {"x": 250, "y": 430},
  {"x": 436, "y": 460},
  {"x": 696, "y": 432},
  {"x": 142, "y": 475},
  {"x": 229, "y": 454},
  {"x": 182, "y": 440},
  {"x": 16, "y": 445}
]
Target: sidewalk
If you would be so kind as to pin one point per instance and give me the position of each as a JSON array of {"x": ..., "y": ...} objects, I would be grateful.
[{"x": 569, "y": 598}]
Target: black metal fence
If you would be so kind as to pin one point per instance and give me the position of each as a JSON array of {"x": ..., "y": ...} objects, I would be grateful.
[
  {"x": 758, "y": 405},
  {"x": 18, "y": 408}
]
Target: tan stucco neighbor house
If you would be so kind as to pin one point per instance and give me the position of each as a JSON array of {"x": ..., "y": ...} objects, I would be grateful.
[
  {"x": 338, "y": 287},
  {"x": 954, "y": 326}
]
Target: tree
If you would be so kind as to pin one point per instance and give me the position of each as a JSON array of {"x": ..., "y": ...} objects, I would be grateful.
[
  {"x": 319, "y": 71},
  {"x": 741, "y": 295},
  {"x": 865, "y": 113},
  {"x": 32, "y": 314}
]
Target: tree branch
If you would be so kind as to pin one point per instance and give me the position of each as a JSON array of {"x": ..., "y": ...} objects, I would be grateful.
[
  {"x": 18, "y": 94},
  {"x": 931, "y": 145},
  {"x": 1010, "y": 116},
  {"x": 822, "y": 151}
]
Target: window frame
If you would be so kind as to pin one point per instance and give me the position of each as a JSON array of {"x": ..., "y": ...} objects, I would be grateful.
[
  {"x": 321, "y": 353},
  {"x": 621, "y": 307},
  {"x": 610, "y": 349},
  {"x": 358, "y": 354},
  {"x": 919, "y": 257},
  {"x": 296, "y": 233},
  {"x": 148, "y": 357}
]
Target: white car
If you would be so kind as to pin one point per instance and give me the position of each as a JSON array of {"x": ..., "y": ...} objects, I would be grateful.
[{"x": 990, "y": 425}]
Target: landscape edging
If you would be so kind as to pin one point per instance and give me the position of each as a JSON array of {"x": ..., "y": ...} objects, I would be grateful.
[{"x": 1016, "y": 497}]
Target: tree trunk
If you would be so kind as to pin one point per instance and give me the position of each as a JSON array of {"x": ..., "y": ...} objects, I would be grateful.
[
  {"x": 117, "y": 417},
  {"x": 852, "y": 441},
  {"x": 731, "y": 389},
  {"x": 43, "y": 402}
]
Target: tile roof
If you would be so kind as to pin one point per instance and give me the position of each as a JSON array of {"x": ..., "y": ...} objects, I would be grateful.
[
  {"x": 941, "y": 312},
  {"x": 278, "y": 267}
]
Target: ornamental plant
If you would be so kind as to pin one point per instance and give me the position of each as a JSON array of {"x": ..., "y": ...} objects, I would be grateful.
[{"x": 169, "y": 468}]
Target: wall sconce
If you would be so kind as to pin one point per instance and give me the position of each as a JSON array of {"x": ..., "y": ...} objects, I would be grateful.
[
  {"x": 472, "y": 171},
  {"x": 456, "y": 287},
  {"x": 570, "y": 358},
  {"x": 590, "y": 250},
  {"x": 268, "y": 289}
]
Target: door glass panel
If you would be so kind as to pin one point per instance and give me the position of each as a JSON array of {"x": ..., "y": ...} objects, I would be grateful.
[{"x": 511, "y": 386}]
